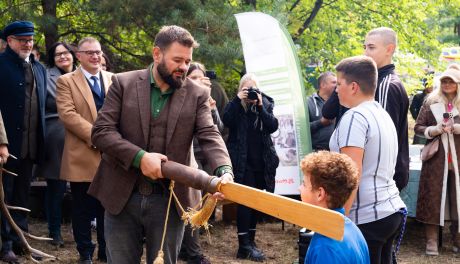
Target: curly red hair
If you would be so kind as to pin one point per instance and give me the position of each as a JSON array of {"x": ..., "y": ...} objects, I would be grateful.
[{"x": 336, "y": 173}]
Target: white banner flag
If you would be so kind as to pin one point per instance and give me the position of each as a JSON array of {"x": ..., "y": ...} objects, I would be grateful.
[{"x": 270, "y": 53}]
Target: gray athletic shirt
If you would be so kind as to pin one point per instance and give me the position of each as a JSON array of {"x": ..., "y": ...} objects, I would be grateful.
[{"x": 368, "y": 126}]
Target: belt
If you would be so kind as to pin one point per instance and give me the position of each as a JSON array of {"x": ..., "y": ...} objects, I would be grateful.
[{"x": 146, "y": 187}]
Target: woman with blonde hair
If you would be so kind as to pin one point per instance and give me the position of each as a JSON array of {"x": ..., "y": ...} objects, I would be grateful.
[
  {"x": 249, "y": 117},
  {"x": 439, "y": 189}
]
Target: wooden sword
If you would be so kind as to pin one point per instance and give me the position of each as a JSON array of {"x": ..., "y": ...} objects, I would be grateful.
[{"x": 326, "y": 222}]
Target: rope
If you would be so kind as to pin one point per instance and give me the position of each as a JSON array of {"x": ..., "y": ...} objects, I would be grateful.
[
  {"x": 159, "y": 259},
  {"x": 403, "y": 211},
  {"x": 201, "y": 201},
  {"x": 177, "y": 200},
  {"x": 193, "y": 217},
  {"x": 171, "y": 186}
]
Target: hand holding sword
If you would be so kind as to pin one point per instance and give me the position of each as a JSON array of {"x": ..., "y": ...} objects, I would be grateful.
[{"x": 327, "y": 222}]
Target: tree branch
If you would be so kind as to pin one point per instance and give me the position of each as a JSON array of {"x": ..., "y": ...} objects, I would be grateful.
[
  {"x": 329, "y": 3},
  {"x": 20, "y": 4},
  {"x": 365, "y": 7},
  {"x": 311, "y": 17},
  {"x": 294, "y": 5},
  {"x": 103, "y": 39}
]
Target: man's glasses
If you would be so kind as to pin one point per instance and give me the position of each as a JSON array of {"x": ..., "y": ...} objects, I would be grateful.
[
  {"x": 59, "y": 54},
  {"x": 23, "y": 41},
  {"x": 91, "y": 52}
]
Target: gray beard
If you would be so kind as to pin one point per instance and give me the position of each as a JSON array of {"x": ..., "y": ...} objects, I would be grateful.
[{"x": 24, "y": 55}]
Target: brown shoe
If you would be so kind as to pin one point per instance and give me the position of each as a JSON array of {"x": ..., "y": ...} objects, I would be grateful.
[
  {"x": 431, "y": 233},
  {"x": 10, "y": 257},
  {"x": 432, "y": 247}
]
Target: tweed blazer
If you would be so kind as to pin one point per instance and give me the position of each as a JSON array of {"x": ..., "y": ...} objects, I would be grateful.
[
  {"x": 77, "y": 111},
  {"x": 122, "y": 130}
]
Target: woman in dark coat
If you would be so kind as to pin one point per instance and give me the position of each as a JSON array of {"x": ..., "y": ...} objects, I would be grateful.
[
  {"x": 249, "y": 117},
  {"x": 439, "y": 189},
  {"x": 61, "y": 60}
]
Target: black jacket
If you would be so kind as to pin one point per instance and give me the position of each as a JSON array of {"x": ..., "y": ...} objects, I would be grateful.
[
  {"x": 235, "y": 118},
  {"x": 392, "y": 96},
  {"x": 12, "y": 98},
  {"x": 320, "y": 134},
  {"x": 416, "y": 104},
  {"x": 332, "y": 108}
]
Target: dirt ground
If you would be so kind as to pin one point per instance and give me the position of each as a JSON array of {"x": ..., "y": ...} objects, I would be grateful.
[{"x": 280, "y": 246}]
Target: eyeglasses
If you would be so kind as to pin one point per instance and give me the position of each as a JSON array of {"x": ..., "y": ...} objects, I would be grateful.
[
  {"x": 59, "y": 54},
  {"x": 23, "y": 41},
  {"x": 91, "y": 52}
]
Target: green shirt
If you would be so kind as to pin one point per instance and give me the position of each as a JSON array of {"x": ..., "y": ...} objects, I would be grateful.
[{"x": 158, "y": 100}]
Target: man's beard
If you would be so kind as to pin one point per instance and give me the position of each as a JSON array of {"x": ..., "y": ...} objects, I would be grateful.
[
  {"x": 24, "y": 54},
  {"x": 174, "y": 82}
]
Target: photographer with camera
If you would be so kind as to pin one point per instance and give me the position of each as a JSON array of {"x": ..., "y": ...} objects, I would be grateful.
[{"x": 249, "y": 117}]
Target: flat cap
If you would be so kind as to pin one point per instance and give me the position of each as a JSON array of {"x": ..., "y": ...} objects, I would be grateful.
[{"x": 19, "y": 28}]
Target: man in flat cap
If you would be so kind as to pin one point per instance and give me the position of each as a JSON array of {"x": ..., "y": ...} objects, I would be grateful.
[{"x": 22, "y": 104}]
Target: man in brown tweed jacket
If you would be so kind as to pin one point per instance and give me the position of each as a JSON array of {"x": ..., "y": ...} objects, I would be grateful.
[{"x": 150, "y": 116}]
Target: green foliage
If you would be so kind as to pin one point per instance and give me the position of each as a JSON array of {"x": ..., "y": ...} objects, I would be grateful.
[{"x": 126, "y": 29}]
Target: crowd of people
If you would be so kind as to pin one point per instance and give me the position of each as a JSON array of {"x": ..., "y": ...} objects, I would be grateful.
[
  {"x": 106, "y": 136},
  {"x": 365, "y": 115}
]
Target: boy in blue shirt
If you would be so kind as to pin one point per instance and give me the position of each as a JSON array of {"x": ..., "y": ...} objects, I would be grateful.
[{"x": 329, "y": 179}]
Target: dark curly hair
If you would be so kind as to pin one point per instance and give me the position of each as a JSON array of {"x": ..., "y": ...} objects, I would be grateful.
[
  {"x": 336, "y": 173},
  {"x": 52, "y": 51}
]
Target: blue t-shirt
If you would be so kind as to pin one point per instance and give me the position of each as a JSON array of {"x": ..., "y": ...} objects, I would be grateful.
[{"x": 352, "y": 249}]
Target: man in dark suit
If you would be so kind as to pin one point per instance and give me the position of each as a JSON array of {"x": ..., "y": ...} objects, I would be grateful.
[
  {"x": 150, "y": 116},
  {"x": 22, "y": 103}
]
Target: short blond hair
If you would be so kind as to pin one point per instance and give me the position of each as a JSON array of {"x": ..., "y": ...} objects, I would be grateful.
[
  {"x": 87, "y": 39},
  {"x": 389, "y": 35}
]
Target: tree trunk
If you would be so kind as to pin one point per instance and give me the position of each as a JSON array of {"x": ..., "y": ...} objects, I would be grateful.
[
  {"x": 251, "y": 2},
  {"x": 50, "y": 28},
  {"x": 457, "y": 31}
]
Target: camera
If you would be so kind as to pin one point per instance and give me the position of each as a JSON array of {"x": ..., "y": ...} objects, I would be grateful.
[
  {"x": 253, "y": 93},
  {"x": 211, "y": 75}
]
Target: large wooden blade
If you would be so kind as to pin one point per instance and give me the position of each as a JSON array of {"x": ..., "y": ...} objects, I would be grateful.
[
  {"x": 323, "y": 221},
  {"x": 326, "y": 222}
]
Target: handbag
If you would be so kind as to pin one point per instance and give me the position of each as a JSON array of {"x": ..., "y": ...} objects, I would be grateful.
[{"x": 430, "y": 149}]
